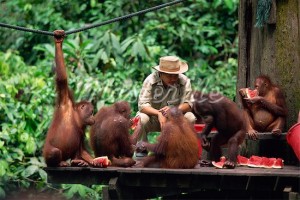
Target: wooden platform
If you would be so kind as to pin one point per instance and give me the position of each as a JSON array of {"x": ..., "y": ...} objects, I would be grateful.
[
  {"x": 199, "y": 183},
  {"x": 141, "y": 183}
]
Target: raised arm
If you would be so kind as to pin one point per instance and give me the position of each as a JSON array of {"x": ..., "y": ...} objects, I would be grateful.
[{"x": 61, "y": 73}]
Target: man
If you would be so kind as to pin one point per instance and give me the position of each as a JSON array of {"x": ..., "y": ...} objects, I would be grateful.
[{"x": 164, "y": 88}]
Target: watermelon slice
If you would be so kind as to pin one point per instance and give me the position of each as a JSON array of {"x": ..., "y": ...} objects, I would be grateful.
[
  {"x": 268, "y": 162},
  {"x": 248, "y": 93},
  {"x": 278, "y": 164},
  {"x": 242, "y": 161},
  {"x": 219, "y": 164},
  {"x": 255, "y": 161},
  {"x": 102, "y": 161},
  {"x": 135, "y": 122},
  {"x": 251, "y": 93}
]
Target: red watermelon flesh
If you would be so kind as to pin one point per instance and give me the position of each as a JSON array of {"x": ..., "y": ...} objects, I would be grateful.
[
  {"x": 220, "y": 163},
  {"x": 102, "y": 161},
  {"x": 268, "y": 162},
  {"x": 135, "y": 122},
  {"x": 278, "y": 164},
  {"x": 242, "y": 161},
  {"x": 251, "y": 93},
  {"x": 255, "y": 161}
]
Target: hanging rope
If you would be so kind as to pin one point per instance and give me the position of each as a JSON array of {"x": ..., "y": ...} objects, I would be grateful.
[
  {"x": 93, "y": 25},
  {"x": 263, "y": 12},
  {"x": 26, "y": 29}
]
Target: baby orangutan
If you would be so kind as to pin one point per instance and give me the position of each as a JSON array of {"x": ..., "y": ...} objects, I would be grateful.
[
  {"x": 109, "y": 136},
  {"x": 176, "y": 146}
]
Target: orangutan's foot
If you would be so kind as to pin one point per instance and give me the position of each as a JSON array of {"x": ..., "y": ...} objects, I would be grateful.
[
  {"x": 252, "y": 134},
  {"x": 276, "y": 131},
  {"x": 138, "y": 164},
  {"x": 64, "y": 164},
  {"x": 229, "y": 164},
  {"x": 79, "y": 163}
]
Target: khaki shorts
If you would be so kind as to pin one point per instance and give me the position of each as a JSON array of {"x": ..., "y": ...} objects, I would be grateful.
[{"x": 151, "y": 123}]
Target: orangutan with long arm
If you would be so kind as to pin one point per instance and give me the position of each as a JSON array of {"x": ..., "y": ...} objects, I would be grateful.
[{"x": 65, "y": 137}]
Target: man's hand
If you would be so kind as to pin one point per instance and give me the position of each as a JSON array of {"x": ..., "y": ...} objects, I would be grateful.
[
  {"x": 162, "y": 119},
  {"x": 164, "y": 110}
]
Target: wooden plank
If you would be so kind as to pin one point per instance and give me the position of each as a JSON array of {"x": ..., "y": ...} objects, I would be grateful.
[
  {"x": 287, "y": 171},
  {"x": 144, "y": 183},
  {"x": 270, "y": 136},
  {"x": 260, "y": 136},
  {"x": 80, "y": 175}
]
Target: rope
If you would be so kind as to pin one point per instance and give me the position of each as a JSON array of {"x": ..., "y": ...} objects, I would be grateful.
[
  {"x": 26, "y": 29},
  {"x": 93, "y": 25}
]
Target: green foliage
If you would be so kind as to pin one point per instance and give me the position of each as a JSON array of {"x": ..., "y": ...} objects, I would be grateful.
[
  {"x": 105, "y": 65},
  {"x": 80, "y": 192},
  {"x": 23, "y": 121},
  {"x": 215, "y": 80}
]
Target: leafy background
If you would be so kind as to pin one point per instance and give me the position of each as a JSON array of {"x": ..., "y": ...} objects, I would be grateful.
[{"x": 105, "y": 65}]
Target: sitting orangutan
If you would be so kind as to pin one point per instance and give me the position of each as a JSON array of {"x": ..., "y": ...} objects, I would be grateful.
[{"x": 265, "y": 112}]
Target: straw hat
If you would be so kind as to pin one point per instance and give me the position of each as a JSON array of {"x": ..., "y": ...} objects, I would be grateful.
[{"x": 171, "y": 65}]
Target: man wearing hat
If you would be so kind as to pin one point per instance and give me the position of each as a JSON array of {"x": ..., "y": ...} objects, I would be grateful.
[{"x": 164, "y": 88}]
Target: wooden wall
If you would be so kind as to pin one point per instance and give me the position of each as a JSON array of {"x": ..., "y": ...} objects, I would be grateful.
[{"x": 273, "y": 49}]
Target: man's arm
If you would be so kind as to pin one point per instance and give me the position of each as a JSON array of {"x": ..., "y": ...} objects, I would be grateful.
[
  {"x": 150, "y": 111},
  {"x": 154, "y": 112},
  {"x": 185, "y": 107}
]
